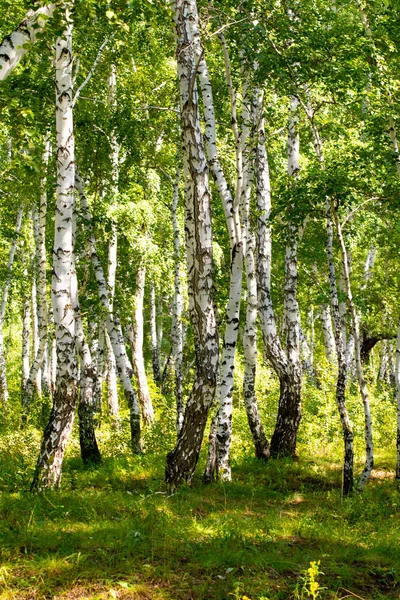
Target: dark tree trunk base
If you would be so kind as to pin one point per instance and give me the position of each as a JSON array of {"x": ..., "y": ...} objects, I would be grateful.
[{"x": 284, "y": 439}]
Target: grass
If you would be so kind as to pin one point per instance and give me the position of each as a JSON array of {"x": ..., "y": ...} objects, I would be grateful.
[{"x": 114, "y": 532}]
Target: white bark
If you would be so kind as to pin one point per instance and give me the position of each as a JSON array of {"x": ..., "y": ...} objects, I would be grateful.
[
  {"x": 35, "y": 331},
  {"x": 342, "y": 363},
  {"x": 251, "y": 113},
  {"x": 26, "y": 322},
  {"x": 112, "y": 390},
  {"x": 283, "y": 441},
  {"x": 48, "y": 469},
  {"x": 369, "y": 447},
  {"x": 339, "y": 331},
  {"x": 37, "y": 374},
  {"x": 87, "y": 377},
  {"x": 155, "y": 350},
  {"x": 177, "y": 308},
  {"x": 327, "y": 332},
  {"x": 125, "y": 370},
  {"x": 3, "y": 306},
  {"x": 397, "y": 382},
  {"x": 231, "y": 211},
  {"x": 142, "y": 387},
  {"x": 181, "y": 462},
  {"x": 15, "y": 45}
]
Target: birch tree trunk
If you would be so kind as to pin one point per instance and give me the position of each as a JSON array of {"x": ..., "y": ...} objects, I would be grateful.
[
  {"x": 155, "y": 350},
  {"x": 251, "y": 139},
  {"x": 3, "y": 306},
  {"x": 283, "y": 442},
  {"x": 145, "y": 402},
  {"x": 112, "y": 390},
  {"x": 339, "y": 330},
  {"x": 369, "y": 447},
  {"x": 48, "y": 468},
  {"x": 397, "y": 382},
  {"x": 348, "y": 466},
  {"x": 87, "y": 402},
  {"x": 327, "y": 332},
  {"x": 181, "y": 462},
  {"x": 26, "y": 332},
  {"x": 42, "y": 325},
  {"x": 15, "y": 45},
  {"x": 35, "y": 330},
  {"x": 125, "y": 370},
  {"x": 177, "y": 309},
  {"x": 231, "y": 210}
]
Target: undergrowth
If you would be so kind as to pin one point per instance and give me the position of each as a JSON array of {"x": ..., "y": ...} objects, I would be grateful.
[{"x": 280, "y": 530}]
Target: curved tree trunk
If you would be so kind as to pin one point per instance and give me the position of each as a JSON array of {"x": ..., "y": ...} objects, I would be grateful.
[
  {"x": 348, "y": 465},
  {"x": 369, "y": 446},
  {"x": 125, "y": 370},
  {"x": 182, "y": 461},
  {"x": 339, "y": 328}
]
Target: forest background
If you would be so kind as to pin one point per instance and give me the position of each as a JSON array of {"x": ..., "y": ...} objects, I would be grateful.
[{"x": 199, "y": 258}]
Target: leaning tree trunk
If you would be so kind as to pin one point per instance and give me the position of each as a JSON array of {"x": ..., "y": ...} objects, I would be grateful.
[
  {"x": 3, "y": 306},
  {"x": 48, "y": 468},
  {"x": 125, "y": 370},
  {"x": 348, "y": 465},
  {"x": 339, "y": 330},
  {"x": 142, "y": 387},
  {"x": 181, "y": 462},
  {"x": 369, "y": 446},
  {"x": 15, "y": 45}
]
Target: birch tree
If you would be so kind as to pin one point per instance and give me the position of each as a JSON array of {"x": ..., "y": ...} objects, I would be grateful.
[
  {"x": 15, "y": 45},
  {"x": 58, "y": 429},
  {"x": 181, "y": 462},
  {"x": 3, "y": 306}
]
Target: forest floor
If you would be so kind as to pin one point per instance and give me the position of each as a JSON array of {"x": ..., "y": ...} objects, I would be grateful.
[{"x": 115, "y": 532}]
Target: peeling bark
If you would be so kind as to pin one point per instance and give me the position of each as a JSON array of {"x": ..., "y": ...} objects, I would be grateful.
[
  {"x": 48, "y": 468},
  {"x": 181, "y": 462},
  {"x": 177, "y": 309},
  {"x": 124, "y": 367},
  {"x": 369, "y": 447},
  {"x": 15, "y": 45}
]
